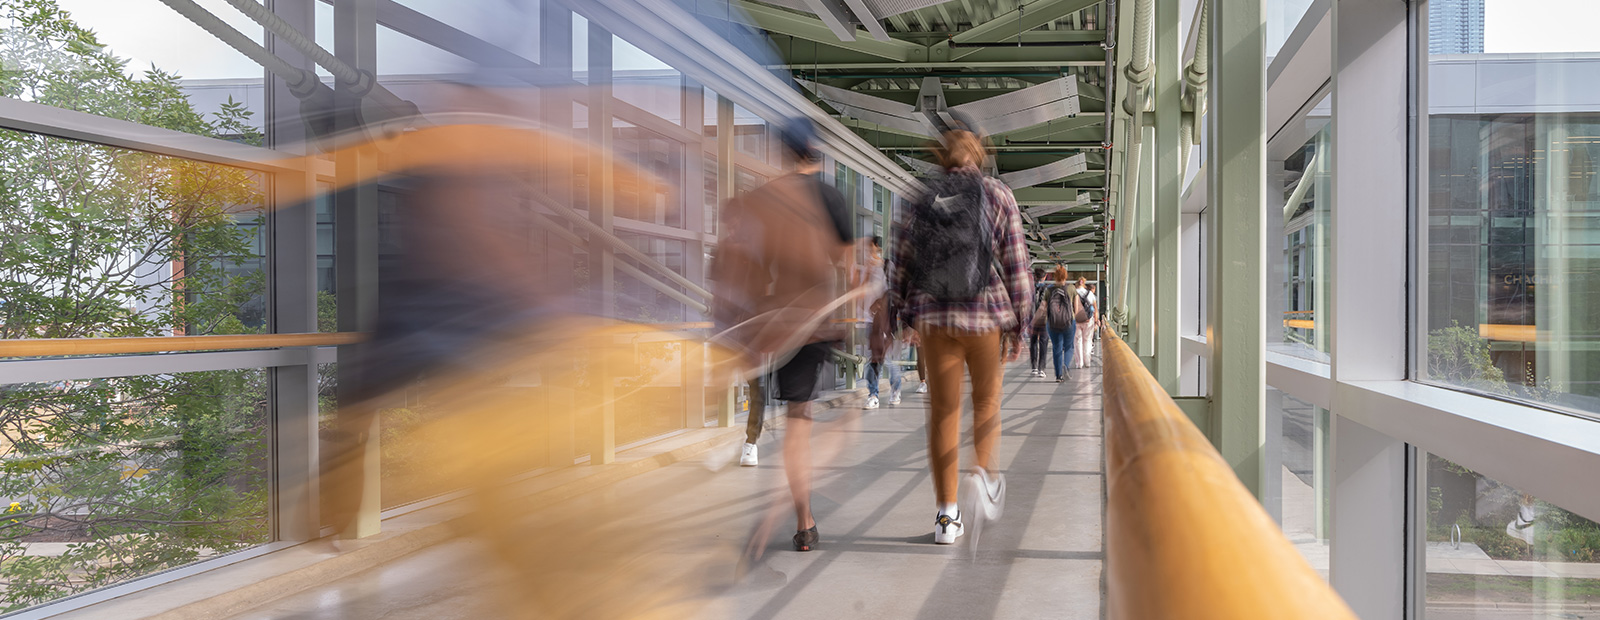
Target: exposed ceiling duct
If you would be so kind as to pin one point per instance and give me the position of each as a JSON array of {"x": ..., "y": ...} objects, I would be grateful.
[
  {"x": 1059, "y": 169},
  {"x": 1060, "y": 228},
  {"x": 1043, "y": 210}
]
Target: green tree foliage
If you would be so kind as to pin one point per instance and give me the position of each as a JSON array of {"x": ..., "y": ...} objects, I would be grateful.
[
  {"x": 108, "y": 479},
  {"x": 1458, "y": 356}
]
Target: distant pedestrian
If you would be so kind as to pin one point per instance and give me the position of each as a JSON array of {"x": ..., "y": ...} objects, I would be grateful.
[
  {"x": 1061, "y": 322},
  {"x": 1087, "y": 320},
  {"x": 882, "y": 332},
  {"x": 1039, "y": 343}
]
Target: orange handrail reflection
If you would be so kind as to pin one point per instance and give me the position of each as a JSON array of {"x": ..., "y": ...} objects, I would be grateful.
[
  {"x": 1184, "y": 538},
  {"x": 1509, "y": 333},
  {"x": 47, "y": 347}
]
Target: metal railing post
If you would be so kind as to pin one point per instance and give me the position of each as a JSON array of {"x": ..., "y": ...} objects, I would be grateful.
[
  {"x": 693, "y": 357},
  {"x": 730, "y": 402}
]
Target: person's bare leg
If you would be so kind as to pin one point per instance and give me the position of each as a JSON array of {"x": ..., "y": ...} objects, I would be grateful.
[{"x": 797, "y": 462}]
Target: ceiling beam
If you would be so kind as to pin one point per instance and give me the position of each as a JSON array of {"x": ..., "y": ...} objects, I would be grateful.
[
  {"x": 865, "y": 16},
  {"x": 1032, "y": 37},
  {"x": 1068, "y": 242},
  {"x": 1061, "y": 125},
  {"x": 835, "y": 16},
  {"x": 1005, "y": 27},
  {"x": 1046, "y": 195},
  {"x": 813, "y": 29}
]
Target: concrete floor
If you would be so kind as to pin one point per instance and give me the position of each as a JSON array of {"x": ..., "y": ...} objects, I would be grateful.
[{"x": 875, "y": 509}]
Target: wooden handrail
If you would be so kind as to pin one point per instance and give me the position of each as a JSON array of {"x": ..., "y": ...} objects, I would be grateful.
[
  {"x": 1184, "y": 538},
  {"x": 50, "y": 347}
]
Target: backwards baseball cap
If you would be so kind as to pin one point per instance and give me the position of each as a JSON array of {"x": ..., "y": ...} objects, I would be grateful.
[{"x": 799, "y": 135}]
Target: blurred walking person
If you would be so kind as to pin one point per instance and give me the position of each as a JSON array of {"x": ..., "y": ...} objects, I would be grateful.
[
  {"x": 960, "y": 278},
  {"x": 881, "y": 335},
  {"x": 776, "y": 273}
]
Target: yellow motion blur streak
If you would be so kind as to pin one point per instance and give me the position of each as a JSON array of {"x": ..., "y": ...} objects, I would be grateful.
[{"x": 589, "y": 557}]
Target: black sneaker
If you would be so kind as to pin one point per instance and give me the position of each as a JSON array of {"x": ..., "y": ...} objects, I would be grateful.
[{"x": 805, "y": 539}]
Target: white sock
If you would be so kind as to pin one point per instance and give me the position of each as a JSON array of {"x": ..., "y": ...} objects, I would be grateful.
[{"x": 949, "y": 508}]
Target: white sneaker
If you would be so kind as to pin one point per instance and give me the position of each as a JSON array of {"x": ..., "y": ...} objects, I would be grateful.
[
  {"x": 1521, "y": 528},
  {"x": 894, "y": 398},
  {"x": 872, "y": 402},
  {"x": 747, "y": 458},
  {"x": 946, "y": 529},
  {"x": 922, "y": 388},
  {"x": 990, "y": 491}
]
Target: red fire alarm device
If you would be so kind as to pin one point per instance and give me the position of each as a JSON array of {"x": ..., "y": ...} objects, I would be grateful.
[{"x": 1113, "y": 224}]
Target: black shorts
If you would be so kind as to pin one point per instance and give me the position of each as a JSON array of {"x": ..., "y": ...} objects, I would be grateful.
[{"x": 797, "y": 379}]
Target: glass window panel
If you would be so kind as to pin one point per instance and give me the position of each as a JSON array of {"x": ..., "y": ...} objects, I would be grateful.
[
  {"x": 1303, "y": 466},
  {"x": 640, "y": 302},
  {"x": 645, "y": 82},
  {"x": 750, "y": 133},
  {"x": 709, "y": 130},
  {"x": 327, "y": 278},
  {"x": 1494, "y": 551},
  {"x": 1298, "y": 205},
  {"x": 143, "y": 63},
  {"x": 1282, "y": 18},
  {"x": 1513, "y": 205},
  {"x": 127, "y": 243},
  {"x": 746, "y": 181},
  {"x": 712, "y": 205},
  {"x": 401, "y": 55},
  {"x": 512, "y": 26},
  {"x": 107, "y": 480},
  {"x": 662, "y": 157}
]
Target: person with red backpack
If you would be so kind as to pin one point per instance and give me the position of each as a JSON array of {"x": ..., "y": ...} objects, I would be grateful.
[
  {"x": 1061, "y": 321},
  {"x": 961, "y": 281}
]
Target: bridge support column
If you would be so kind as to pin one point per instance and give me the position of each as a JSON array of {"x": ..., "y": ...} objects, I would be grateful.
[
  {"x": 1169, "y": 169},
  {"x": 1236, "y": 165}
]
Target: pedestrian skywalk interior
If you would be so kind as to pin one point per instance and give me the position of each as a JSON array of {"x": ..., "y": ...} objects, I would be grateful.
[{"x": 1343, "y": 251}]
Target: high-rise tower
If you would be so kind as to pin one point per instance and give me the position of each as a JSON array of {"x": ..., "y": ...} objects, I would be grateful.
[{"x": 1455, "y": 27}]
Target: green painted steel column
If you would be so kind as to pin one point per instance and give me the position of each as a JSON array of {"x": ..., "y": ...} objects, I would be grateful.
[
  {"x": 1168, "y": 211},
  {"x": 1236, "y": 188},
  {"x": 1144, "y": 252}
]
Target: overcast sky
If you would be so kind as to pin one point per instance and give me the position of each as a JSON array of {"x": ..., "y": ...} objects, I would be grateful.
[{"x": 1541, "y": 26}]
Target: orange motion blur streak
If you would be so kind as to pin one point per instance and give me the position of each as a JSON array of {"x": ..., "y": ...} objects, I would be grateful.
[
  {"x": 44, "y": 347},
  {"x": 1184, "y": 538},
  {"x": 475, "y": 149}
]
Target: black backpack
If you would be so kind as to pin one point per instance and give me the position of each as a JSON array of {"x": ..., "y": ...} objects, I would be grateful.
[
  {"x": 1059, "y": 308},
  {"x": 1085, "y": 309},
  {"x": 953, "y": 238}
]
